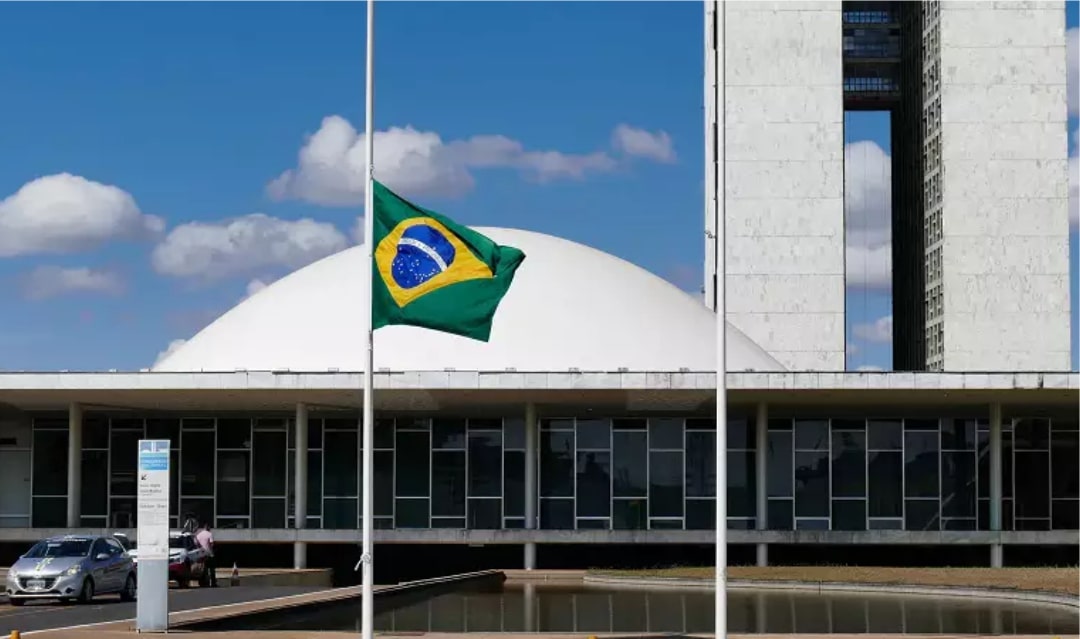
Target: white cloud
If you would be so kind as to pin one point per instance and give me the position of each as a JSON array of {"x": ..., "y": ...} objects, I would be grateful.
[
  {"x": 212, "y": 250},
  {"x": 868, "y": 215},
  {"x": 880, "y": 330},
  {"x": 330, "y": 166},
  {"x": 52, "y": 281},
  {"x": 1072, "y": 53},
  {"x": 169, "y": 350},
  {"x": 253, "y": 287},
  {"x": 643, "y": 144},
  {"x": 869, "y": 368},
  {"x": 64, "y": 213}
]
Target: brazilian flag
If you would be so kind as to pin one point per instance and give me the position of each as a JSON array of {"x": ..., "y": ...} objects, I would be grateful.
[{"x": 431, "y": 272}]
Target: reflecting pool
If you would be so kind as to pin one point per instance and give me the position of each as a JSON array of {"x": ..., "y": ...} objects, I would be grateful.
[{"x": 516, "y": 607}]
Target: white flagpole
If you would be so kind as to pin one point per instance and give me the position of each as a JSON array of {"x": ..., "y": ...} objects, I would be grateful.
[
  {"x": 721, "y": 334},
  {"x": 367, "y": 607}
]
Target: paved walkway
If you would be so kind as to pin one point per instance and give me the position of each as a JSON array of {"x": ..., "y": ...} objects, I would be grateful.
[{"x": 476, "y": 635}]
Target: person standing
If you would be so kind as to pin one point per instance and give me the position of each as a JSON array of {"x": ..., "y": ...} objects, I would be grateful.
[{"x": 205, "y": 539}]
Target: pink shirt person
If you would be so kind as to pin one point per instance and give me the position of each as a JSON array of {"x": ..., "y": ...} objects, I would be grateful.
[{"x": 205, "y": 539}]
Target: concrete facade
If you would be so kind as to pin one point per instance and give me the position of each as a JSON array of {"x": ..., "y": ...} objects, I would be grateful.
[{"x": 783, "y": 146}]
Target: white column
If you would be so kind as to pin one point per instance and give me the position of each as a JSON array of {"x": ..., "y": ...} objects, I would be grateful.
[
  {"x": 300, "y": 482},
  {"x": 761, "y": 449},
  {"x": 996, "y": 551},
  {"x": 74, "y": 477},
  {"x": 532, "y": 436}
]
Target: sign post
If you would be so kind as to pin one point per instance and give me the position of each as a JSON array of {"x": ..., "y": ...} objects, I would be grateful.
[{"x": 152, "y": 604}]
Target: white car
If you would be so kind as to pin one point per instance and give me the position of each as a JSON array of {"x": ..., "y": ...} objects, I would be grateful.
[{"x": 187, "y": 560}]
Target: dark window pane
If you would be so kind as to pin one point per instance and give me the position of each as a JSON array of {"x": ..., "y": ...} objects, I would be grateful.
[
  {"x": 779, "y": 424},
  {"x": 162, "y": 428},
  {"x": 203, "y": 508},
  {"x": 269, "y": 463},
  {"x": 514, "y": 483},
  {"x": 448, "y": 433},
  {"x": 412, "y": 476},
  {"x": 485, "y": 463},
  {"x": 1032, "y": 434},
  {"x": 1032, "y": 497},
  {"x": 631, "y": 466},
  {"x": 447, "y": 482},
  {"x": 123, "y": 448},
  {"x": 51, "y": 512},
  {"x": 812, "y": 484},
  {"x": 734, "y": 523},
  {"x": 384, "y": 433},
  {"x": 886, "y": 524},
  {"x": 665, "y": 484},
  {"x": 95, "y": 482},
  {"x": 921, "y": 424},
  {"x": 594, "y": 524},
  {"x": 884, "y": 434},
  {"x": 233, "y": 476},
  {"x": 811, "y": 434},
  {"x": 1032, "y": 524},
  {"x": 740, "y": 433},
  {"x": 198, "y": 423},
  {"x": 268, "y": 513},
  {"x": 849, "y": 514},
  {"x": 514, "y": 524},
  {"x": 1065, "y": 465},
  {"x": 630, "y": 514},
  {"x": 514, "y": 433},
  {"x": 1066, "y": 514},
  {"x": 340, "y": 513},
  {"x": 700, "y": 514},
  {"x": 485, "y": 514},
  {"x": 557, "y": 514},
  {"x": 983, "y": 513},
  {"x": 384, "y": 483},
  {"x": 594, "y": 433},
  {"x": 411, "y": 513},
  {"x": 485, "y": 423},
  {"x": 557, "y": 424},
  {"x": 96, "y": 432},
  {"x": 123, "y": 514},
  {"x": 557, "y": 464},
  {"x": 629, "y": 424},
  {"x": 174, "y": 481},
  {"x": 957, "y": 484},
  {"x": 741, "y": 484},
  {"x": 666, "y": 524},
  {"x": 197, "y": 463},
  {"x": 849, "y": 424},
  {"x": 958, "y": 524},
  {"x": 886, "y": 485},
  {"x": 983, "y": 452},
  {"x": 958, "y": 434},
  {"x": 457, "y": 523},
  {"x": 812, "y": 524},
  {"x": 848, "y": 464},
  {"x": 413, "y": 423},
  {"x": 234, "y": 433},
  {"x": 779, "y": 463},
  {"x": 384, "y": 523},
  {"x": 593, "y": 484},
  {"x": 342, "y": 464},
  {"x": 1007, "y": 465},
  {"x": 665, "y": 434},
  {"x": 780, "y": 515},
  {"x": 129, "y": 423},
  {"x": 701, "y": 424},
  {"x": 920, "y": 464},
  {"x": 921, "y": 514},
  {"x": 701, "y": 464}
]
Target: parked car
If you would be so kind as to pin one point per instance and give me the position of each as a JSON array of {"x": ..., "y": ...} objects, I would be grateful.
[
  {"x": 72, "y": 567},
  {"x": 187, "y": 560}
]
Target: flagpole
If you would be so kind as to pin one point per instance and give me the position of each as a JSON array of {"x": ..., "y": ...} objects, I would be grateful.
[
  {"x": 721, "y": 330},
  {"x": 367, "y": 606}
]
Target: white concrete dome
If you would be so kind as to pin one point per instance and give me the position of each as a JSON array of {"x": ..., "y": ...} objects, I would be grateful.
[{"x": 570, "y": 307}]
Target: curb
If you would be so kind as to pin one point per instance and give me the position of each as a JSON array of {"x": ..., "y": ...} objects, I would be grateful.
[{"x": 1054, "y": 599}]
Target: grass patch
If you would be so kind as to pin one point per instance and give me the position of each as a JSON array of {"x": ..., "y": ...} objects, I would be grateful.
[{"x": 1056, "y": 580}]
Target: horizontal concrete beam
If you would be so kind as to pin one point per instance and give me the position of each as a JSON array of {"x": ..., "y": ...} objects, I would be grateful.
[{"x": 700, "y": 537}]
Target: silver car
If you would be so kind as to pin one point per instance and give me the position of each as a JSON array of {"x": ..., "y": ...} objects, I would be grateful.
[{"x": 72, "y": 567}]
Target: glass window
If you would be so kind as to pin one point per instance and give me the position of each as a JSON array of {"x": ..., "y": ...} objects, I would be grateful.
[
  {"x": 665, "y": 434},
  {"x": 629, "y": 424},
  {"x": 557, "y": 464},
  {"x": 811, "y": 434},
  {"x": 268, "y": 513},
  {"x": 631, "y": 466},
  {"x": 514, "y": 433},
  {"x": 557, "y": 514},
  {"x": 1032, "y": 498},
  {"x": 884, "y": 434},
  {"x": 447, "y": 482},
  {"x": 384, "y": 433},
  {"x": 958, "y": 524},
  {"x": 780, "y": 514},
  {"x": 779, "y": 463},
  {"x": 701, "y": 424},
  {"x": 234, "y": 433},
  {"x": 162, "y": 428},
  {"x": 920, "y": 464},
  {"x": 485, "y": 514},
  {"x": 921, "y": 514},
  {"x": 123, "y": 449},
  {"x": 412, "y": 423},
  {"x": 594, "y": 434},
  {"x": 95, "y": 482},
  {"x": 340, "y": 513},
  {"x": 741, "y": 484},
  {"x": 957, "y": 484},
  {"x": 49, "y": 512},
  {"x": 448, "y": 433},
  {"x": 342, "y": 473},
  {"x": 411, "y": 513},
  {"x": 594, "y": 524},
  {"x": 1065, "y": 465},
  {"x": 514, "y": 483},
  {"x": 96, "y": 432},
  {"x": 812, "y": 484},
  {"x": 849, "y": 514},
  {"x": 556, "y": 424},
  {"x": 1066, "y": 514},
  {"x": 455, "y": 522},
  {"x": 740, "y": 433},
  {"x": 412, "y": 472},
  {"x": 665, "y": 484},
  {"x": 848, "y": 464},
  {"x": 812, "y": 524},
  {"x": 485, "y": 463},
  {"x": 630, "y": 514},
  {"x": 958, "y": 434},
  {"x": 233, "y": 497},
  {"x": 1032, "y": 434},
  {"x": 700, "y": 514},
  {"x": 666, "y": 524},
  {"x": 849, "y": 424},
  {"x": 593, "y": 484},
  {"x": 269, "y": 463},
  {"x": 886, "y": 484},
  {"x": 202, "y": 507},
  {"x": 384, "y": 483},
  {"x": 701, "y": 464}
]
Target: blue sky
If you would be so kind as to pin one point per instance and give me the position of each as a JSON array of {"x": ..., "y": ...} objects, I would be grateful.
[{"x": 174, "y": 125}]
